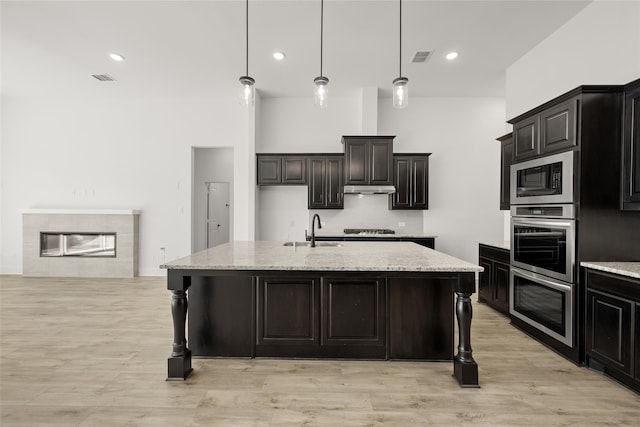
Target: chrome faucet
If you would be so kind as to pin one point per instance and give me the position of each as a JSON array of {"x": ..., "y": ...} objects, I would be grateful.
[{"x": 313, "y": 230}]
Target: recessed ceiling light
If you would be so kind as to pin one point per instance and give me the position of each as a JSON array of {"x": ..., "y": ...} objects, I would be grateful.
[
  {"x": 116, "y": 56},
  {"x": 451, "y": 56},
  {"x": 278, "y": 56}
]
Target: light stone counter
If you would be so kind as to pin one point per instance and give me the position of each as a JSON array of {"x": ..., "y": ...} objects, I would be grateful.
[
  {"x": 502, "y": 244},
  {"x": 349, "y": 256},
  {"x": 629, "y": 269}
]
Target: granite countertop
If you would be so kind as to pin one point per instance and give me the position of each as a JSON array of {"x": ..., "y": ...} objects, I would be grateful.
[
  {"x": 342, "y": 234},
  {"x": 349, "y": 256},
  {"x": 629, "y": 269},
  {"x": 502, "y": 244}
]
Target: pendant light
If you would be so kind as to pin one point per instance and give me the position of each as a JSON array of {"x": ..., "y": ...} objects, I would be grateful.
[
  {"x": 400, "y": 87},
  {"x": 248, "y": 90},
  {"x": 321, "y": 82}
]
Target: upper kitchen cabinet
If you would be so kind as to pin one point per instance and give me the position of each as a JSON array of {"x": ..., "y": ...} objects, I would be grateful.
[
  {"x": 631, "y": 148},
  {"x": 506, "y": 159},
  {"x": 325, "y": 182},
  {"x": 411, "y": 179},
  {"x": 547, "y": 129},
  {"x": 368, "y": 160},
  {"x": 282, "y": 169}
]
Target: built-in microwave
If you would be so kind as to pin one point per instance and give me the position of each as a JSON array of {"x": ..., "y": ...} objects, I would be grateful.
[{"x": 548, "y": 179}]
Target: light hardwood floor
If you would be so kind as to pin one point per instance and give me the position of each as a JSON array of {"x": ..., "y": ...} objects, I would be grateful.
[{"x": 78, "y": 352}]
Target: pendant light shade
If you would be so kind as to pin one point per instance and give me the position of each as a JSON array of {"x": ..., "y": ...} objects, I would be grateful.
[
  {"x": 247, "y": 96},
  {"x": 321, "y": 82},
  {"x": 400, "y": 84},
  {"x": 321, "y": 91}
]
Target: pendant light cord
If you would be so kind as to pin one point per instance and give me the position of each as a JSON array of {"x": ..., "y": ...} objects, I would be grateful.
[
  {"x": 400, "y": 50},
  {"x": 321, "y": 31},
  {"x": 247, "y": 36}
]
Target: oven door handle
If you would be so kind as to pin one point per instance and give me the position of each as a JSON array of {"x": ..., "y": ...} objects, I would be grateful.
[
  {"x": 540, "y": 279},
  {"x": 538, "y": 223}
]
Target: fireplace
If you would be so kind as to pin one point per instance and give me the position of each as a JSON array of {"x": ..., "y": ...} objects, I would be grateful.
[
  {"x": 80, "y": 242},
  {"x": 77, "y": 244}
]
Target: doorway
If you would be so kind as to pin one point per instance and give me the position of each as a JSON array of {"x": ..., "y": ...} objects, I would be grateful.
[
  {"x": 217, "y": 221},
  {"x": 212, "y": 167}
]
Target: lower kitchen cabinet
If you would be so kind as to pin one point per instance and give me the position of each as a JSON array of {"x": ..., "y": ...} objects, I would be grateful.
[
  {"x": 429, "y": 242},
  {"x": 494, "y": 280},
  {"x": 611, "y": 339},
  {"x": 311, "y": 316}
]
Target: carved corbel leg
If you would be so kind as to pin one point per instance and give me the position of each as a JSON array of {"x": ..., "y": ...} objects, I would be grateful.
[
  {"x": 465, "y": 369},
  {"x": 179, "y": 363}
]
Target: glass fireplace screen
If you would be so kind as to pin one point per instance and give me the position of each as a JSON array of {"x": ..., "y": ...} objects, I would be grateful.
[{"x": 78, "y": 244}]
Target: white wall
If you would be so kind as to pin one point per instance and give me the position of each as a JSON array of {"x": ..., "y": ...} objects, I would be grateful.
[
  {"x": 600, "y": 45},
  {"x": 464, "y": 168},
  {"x": 113, "y": 153}
]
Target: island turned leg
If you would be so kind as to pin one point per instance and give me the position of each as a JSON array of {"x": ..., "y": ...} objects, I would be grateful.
[
  {"x": 179, "y": 363},
  {"x": 465, "y": 369}
]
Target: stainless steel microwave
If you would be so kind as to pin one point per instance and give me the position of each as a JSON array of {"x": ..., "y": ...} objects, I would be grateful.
[{"x": 548, "y": 179}]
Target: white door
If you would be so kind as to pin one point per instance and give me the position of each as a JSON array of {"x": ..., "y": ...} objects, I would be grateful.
[{"x": 217, "y": 213}]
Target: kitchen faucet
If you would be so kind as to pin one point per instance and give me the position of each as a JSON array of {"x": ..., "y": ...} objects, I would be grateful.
[{"x": 313, "y": 231}]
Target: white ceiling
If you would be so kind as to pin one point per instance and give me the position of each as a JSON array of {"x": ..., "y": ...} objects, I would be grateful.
[{"x": 197, "y": 48}]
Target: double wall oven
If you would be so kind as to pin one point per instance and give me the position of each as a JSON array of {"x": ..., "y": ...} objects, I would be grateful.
[{"x": 543, "y": 245}]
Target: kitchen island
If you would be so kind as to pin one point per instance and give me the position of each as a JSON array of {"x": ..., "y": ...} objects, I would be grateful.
[{"x": 391, "y": 300}]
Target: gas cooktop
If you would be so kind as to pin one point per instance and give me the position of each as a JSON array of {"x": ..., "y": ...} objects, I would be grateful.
[{"x": 368, "y": 231}]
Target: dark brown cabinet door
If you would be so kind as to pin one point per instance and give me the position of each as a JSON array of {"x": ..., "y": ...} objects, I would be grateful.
[
  {"x": 420, "y": 182},
  {"x": 334, "y": 185},
  {"x": 484, "y": 282},
  {"x": 294, "y": 170},
  {"x": 506, "y": 160},
  {"x": 316, "y": 190},
  {"x": 269, "y": 170},
  {"x": 325, "y": 182},
  {"x": 526, "y": 138},
  {"x": 609, "y": 330},
  {"x": 631, "y": 148},
  {"x": 353, "y": 312},
  {"x": 287, "y": 312},
  {"x": 381, "y": 163},
  {"x": 493, "y": 284},
  {"x": 357, "y": 161},
  {"x": 557, "y": 127},
  {"x": 402, "y": 171},
  {"x": 500, "y": 291},
  {"x": 368, "y": 160},
  {"x": 637, "y": 342},
  {"x": 411, "y": 179}
]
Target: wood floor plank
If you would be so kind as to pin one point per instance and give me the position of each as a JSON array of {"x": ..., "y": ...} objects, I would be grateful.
[{"x": 93, "y": 352}]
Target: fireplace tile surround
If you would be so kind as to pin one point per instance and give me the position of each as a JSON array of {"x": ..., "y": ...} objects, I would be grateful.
[{"x": 123, "y": 223}]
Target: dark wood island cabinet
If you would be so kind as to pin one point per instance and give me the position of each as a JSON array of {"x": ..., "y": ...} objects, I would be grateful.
[{"x": 392, "y": 300}]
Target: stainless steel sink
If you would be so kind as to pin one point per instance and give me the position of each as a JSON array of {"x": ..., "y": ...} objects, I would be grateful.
[{"x": 318, "y": 244}]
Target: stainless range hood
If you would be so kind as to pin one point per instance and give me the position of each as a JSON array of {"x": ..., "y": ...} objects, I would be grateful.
[{"x": 369, "y": 189}]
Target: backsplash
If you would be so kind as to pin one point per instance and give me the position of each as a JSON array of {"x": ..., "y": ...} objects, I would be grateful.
[{"x": 368, "y": 211}]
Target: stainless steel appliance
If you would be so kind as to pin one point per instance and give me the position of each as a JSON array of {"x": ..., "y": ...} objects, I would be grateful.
[
  {"x": 545, "y": 180},
  {"x": 544, "y": 303},
  {"x": 368, "y": 231},
  {"x": 543, "y": 264},
  {"x": 543, "y": 240}
]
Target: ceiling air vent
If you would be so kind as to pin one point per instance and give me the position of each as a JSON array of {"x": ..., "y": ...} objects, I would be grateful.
[
  {"x": 421, "y": 56},
  {"x": 104, "y": 77}
]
